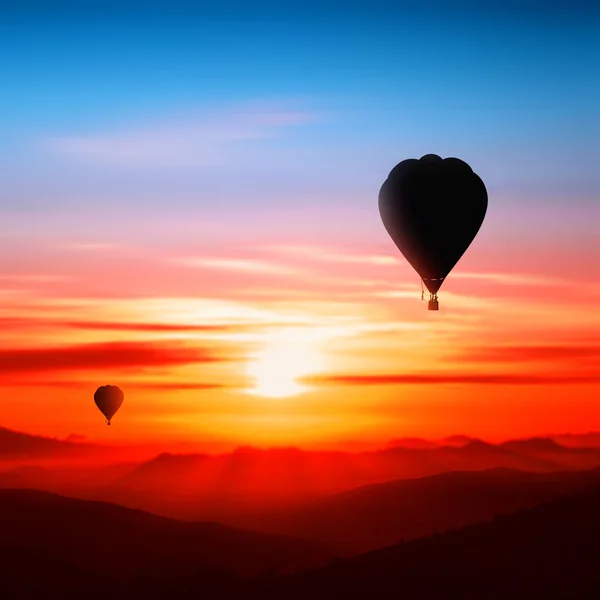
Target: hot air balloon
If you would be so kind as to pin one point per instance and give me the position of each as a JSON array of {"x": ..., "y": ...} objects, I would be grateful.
[
  {"x": 432, "y": 208},
  {"x": 108, "y": 399}
]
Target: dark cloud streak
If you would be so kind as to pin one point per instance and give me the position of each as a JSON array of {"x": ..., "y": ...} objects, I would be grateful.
[
  {"x": 15, "y": 323},
  {"x": 130, "y": 385},
  {"x": 463, "y": 379},
  {"x": 531, "y": 353},
  {"x": 117, "y": 325},
  {"x": 102, "y": 356}
]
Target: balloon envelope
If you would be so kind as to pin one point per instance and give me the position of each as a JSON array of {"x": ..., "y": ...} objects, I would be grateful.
[
  {"x": 432, "y": 209},
  {"x": 108, "y": 399}
]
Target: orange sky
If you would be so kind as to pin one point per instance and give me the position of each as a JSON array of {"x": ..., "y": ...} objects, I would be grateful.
[
  {"x": 298, "y": 343},
  {"x": 188, "y": 210}
]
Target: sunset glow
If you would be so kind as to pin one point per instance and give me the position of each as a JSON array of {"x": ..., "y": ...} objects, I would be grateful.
[
  {"x": 299, "y": 300},
  {"x": 204, "y": 233},
  {"x": 282, "y": 362}
]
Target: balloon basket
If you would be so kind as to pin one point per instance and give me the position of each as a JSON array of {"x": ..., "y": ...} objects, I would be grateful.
[{"x": 434, "y": 304}]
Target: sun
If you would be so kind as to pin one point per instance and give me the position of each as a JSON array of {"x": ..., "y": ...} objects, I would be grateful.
[{"x": 277, "y": 368}]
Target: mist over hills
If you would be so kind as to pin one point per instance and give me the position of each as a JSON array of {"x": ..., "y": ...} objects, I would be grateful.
[
  {"x": 240, "y": 487},
  {"x": 548, "y": 552},
  {"x": 17, "y": 447},
  {"x": 348, "y": 502},
  {"x": 102, "y": 537},
  {"x": 413, "y": 442},
  {"x": 309, "y": 507},
  {"x": 218, "y": 484},
  {"x": 15, "y": 444},
  {"x": 378, "y": 515},
  {"x": 581, "y": 440}
]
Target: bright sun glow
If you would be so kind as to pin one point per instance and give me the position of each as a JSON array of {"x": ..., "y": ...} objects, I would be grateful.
[{"x": 277, "y": 368}]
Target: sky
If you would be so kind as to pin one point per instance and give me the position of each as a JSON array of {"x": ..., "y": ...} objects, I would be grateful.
[{"x": 188, "y": 209}]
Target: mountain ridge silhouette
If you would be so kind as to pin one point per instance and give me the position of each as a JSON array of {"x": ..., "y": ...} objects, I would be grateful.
[
  {"x": 545, "y": 552},
  {"x": 102, "y": 536}
]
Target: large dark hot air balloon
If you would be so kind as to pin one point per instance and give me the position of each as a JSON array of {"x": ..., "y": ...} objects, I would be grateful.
[
  {"x": 108, "y": 399},
  {"x": 432, "y": 208}
]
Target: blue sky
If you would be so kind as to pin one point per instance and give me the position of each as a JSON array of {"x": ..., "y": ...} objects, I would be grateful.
[
  {"x": 169, "y": 161},
  {"x": 257, "y": 103}
]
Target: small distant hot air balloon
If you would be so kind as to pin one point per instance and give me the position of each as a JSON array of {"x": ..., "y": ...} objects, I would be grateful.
[
  {"x": 432, "y": 209},
  {"x": 108, "y": 399}
]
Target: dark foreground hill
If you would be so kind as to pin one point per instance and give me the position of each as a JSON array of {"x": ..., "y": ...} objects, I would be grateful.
[
  {"x": 98, "y": 541},
  {"x": 549, "y": 552},
  {"x": 18, "y": 445},
  {"x": 227, "y": 487},
  {"x": 378, "y": 515}
]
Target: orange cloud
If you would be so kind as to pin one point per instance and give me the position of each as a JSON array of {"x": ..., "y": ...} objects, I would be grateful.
[
  {"x": 531, "y": 353},
  {"x": 100, "y": 356},
  {"x": 131, "y": 385},
  {"x": 467, "y": 378},
  {"x": 249, "y": 265},
  {"x": 337, "y": 255},
  {"x": 117, "y": 325},
  {"x": 524, "y": 279},
  {"x": 177, "y": 385}
]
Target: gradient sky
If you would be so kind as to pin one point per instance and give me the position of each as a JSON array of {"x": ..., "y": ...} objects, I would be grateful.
[{"x": 188, "y": 209}]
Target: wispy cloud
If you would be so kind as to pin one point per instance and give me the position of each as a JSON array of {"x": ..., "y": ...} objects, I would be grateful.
[
  {"x": 398, "y": 292},
  {"x": 511, "y": 279},
  {"x": 249, "y": 265},
  {"x": 93, "y": 246},
  {"x": 177, "y": 385},
  {"x": 221, "y": 329},
  {"x": 101, "y": 356},
  {"x": 125, "y": 384},
  {"x": 184, "y": 317},
  {"x": 326, "y": 254},
  {"x": 204, "y": 140},
  {"x": 468, "y": 378},
  {"x": 33, "y": 278},
  {"x": 14, "y": 294},
  {"x": 531, "y": 353},
  {"x": 175, "y": 310},
  {"x": 11, "y": 322}
]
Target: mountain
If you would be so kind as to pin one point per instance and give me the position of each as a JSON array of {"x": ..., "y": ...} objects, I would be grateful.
[
  {"x": 79, "y": 480},
  {"x": 549, "y": 552},
  {"x": 291, "y": 491},
  {"x": 378, "y": 515},
  {"x": 350, "y": 522},
  {"x": 580, "y": 440},
  {"x": 222, "y": 487},
  {"x": 28, "y": 574},
  {"x": 14, "y": 445},
  {"x": 218, "y": 487},
  {"x": 457, "y": 440},
  {"x": 412, "y": 443},
  {"x": 117, "y": 542}
]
